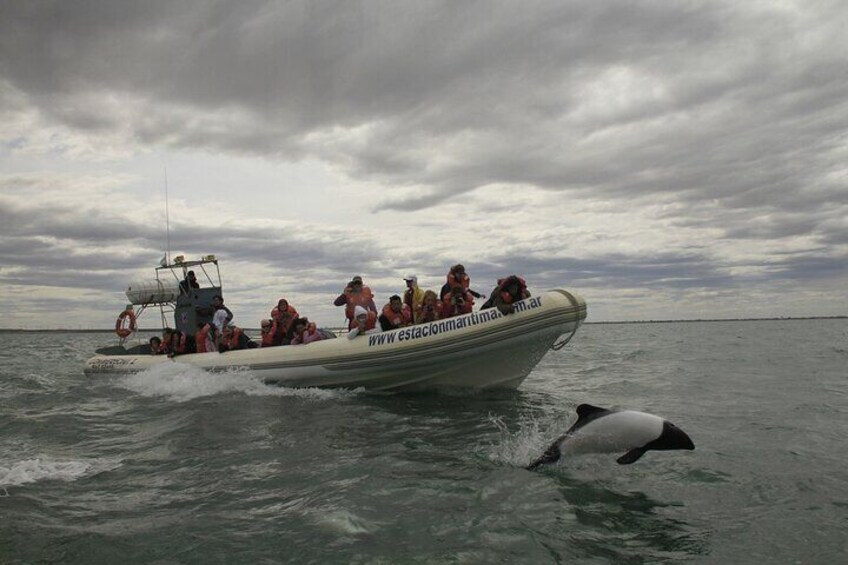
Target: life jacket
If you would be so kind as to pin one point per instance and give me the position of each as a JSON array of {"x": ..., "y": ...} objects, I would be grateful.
[
  {"x": 448, "y": 309},
  {"x": 370, "y": 324},
  {"x": 462, "y": 281},
  {"x": 235, "y": 339},
  {"x": 362, "y": 298},
  {"x": 123, "y": 328},
  {"x": 398, "y": 319},
  {"x": 202, "y": 338},
  {"x": 164, "y": 347},
  {"x": 181, "y": 344},
  {"x": 286, "y": 318},
  {"x": 505, "y": 295},
  {"x": 268, "y": 337}
]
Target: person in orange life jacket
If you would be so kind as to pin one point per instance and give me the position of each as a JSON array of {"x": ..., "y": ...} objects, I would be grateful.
[
  {"x": 285, "y": 315},
  {"x": 395, "y": 314},
  {"x": 233, "y": 338},
  {"x": 431, "y": 308},
  {"x": 205, "y": 338},
  {"x": 457, "y": 277},
  {"x": 362, "y": 320},
  {"x": 178, "y": 345},
  {"x": 356, "y": 294},
  {"x": 155, "y": 343},
  {"x": 305, "y": 332},
  {"x": 413, "y": 296},
  {"x": 269, "y": 333},
  {"x": 457, "y": 302},
  {"x": 188, "y": 283},
  {"x": 509, "y": 290}
]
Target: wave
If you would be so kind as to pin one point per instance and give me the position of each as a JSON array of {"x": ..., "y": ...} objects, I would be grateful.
[
  {"x": 522, "y": 446},
  {"x": 47, "y": 468},
  {"x": 182, "y": 382}
]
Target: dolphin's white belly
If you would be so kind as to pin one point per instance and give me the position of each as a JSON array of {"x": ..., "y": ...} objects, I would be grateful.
[{"x": 614, "y": 433}]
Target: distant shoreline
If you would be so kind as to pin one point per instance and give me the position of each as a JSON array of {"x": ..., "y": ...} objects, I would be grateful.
[{"x": 778, "y": 319}]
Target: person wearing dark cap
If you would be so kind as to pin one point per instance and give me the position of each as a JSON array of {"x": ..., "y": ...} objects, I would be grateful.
[{"x": 357, "y": 294}]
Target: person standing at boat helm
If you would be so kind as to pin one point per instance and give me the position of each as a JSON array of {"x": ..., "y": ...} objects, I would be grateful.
[
  {"x": 357, "y": 294},
  {"x": 413, "y": 297},
  {"x": 188, "y": 283}
]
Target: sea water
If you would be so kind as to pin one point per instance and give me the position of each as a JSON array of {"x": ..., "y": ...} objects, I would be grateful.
[{"x": 178, "y": 466}]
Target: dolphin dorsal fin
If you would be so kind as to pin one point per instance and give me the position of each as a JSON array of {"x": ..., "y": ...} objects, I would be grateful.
[
  {"x": 585, "y": 414},
  {"x": 586, "y": 410}
]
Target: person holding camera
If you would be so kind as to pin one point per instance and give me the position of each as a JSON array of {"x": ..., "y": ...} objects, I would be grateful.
[
  {"x": 431, "y": 308},
  {"x": 457, "y": 302},
  {"x": 395, "y": 314},
  {"x": 357, "y": 294},
  {"x": 510, "y": 289}
]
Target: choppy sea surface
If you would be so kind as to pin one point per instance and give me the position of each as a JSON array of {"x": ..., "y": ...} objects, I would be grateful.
[{"x": 178, "y": 466}]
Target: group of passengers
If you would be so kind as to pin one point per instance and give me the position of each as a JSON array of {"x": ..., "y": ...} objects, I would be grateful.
[
  {"x": 286, "y": 327},
  {"x": 418, "y": 306}
]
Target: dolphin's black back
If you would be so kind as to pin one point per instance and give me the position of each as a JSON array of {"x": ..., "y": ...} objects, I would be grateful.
[{"x": 587, "y": 413}]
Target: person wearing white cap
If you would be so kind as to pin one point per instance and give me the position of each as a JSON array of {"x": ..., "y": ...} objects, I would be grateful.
[{"x": 413, "y": 297}]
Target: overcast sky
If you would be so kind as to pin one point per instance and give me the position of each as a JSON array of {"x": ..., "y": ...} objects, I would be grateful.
[{"x": 666, "y": 160}]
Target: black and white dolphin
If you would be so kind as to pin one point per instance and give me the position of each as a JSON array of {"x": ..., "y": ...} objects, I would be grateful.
[{"x": 598, "y": 430}]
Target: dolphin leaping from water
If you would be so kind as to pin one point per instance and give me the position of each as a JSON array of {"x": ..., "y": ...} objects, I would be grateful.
[{"x": 598, "y": 430}]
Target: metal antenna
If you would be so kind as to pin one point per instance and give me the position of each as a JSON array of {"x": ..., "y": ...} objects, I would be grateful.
[{"x": 167, "y": 219}]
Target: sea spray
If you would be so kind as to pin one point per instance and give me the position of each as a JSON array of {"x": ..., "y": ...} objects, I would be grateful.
[{"x": 181, "y": 382}]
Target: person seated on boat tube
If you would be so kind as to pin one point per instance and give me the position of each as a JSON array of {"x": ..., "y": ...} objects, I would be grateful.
[
  {"x": 233, "y": 338},
  {"x": 457, "y": 302},
  {"x": 205, "y": 338},
  {"x": 269, "y": 333},
  {"x": 284, "y": 314},
  {"x": 357, "y": 294},
  {"x": 361, "y": 320},
  {"x": 222, "y": 316},
  {"x": 457, "y": 277},
  {"x": 188, "y": 283},
  {"x": 305, "y": 332},
  {"x": 179, "y": 344},
  {"x": 431, "y": 308},
  {"x": 509, "y": 290},
  {"x": 395, "y": 314},
  {"x": 155, "y": 345},
  {"x": 413, "y": 296}
]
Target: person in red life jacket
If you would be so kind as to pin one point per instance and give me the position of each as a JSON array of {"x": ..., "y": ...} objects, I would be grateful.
[
  {"x": 179, "y": 344},
  {"x": 510, "y": 289},
  {"x": 284, "y": 314},
  {"x": 457, "y": 277},
  {"x": 431, "y": 308},
  {"x": 413, "y": 296},
  {"x": 356, "y": 294},
  {"x": 165, "y": 342},
  {"x": 205, "y": 338},
  {"x": 305, "y": 332},
  {"x": 395, "y": 314},
  {"x": 269, "y": 333},
  {"x": 457, "y": 302},
  {"x": 155, "y": 343},
  {"x": 362, "y": 323},
  {"x": 234, "y": 338}
]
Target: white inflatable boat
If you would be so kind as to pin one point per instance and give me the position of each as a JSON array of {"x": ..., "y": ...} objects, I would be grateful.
[{"x": 481, "y": 350}]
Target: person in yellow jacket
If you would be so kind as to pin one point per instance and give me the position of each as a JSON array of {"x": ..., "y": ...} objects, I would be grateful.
[{"x": 413, "y": 297}]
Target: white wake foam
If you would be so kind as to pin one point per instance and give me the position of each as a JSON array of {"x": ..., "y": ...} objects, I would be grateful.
[
  {"x": 519, "y": 447},
  {"x": 47, "y": 468},
  {"x": 181, "y": 382}
]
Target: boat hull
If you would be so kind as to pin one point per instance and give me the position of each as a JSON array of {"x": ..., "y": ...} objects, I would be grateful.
[{"x": 481, "y": 350}]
